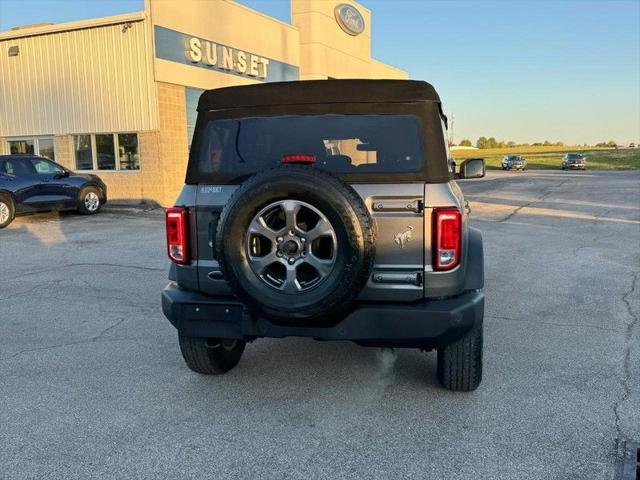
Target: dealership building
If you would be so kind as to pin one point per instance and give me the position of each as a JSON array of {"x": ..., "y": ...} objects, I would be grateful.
[{"x": 117, "y": 95}]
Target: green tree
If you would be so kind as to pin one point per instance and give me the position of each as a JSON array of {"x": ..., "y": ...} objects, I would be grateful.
[
  {"x": 492, "y": 143},
  {"x": 482, "y": 142},
  {"x": 465, "y": 143}
]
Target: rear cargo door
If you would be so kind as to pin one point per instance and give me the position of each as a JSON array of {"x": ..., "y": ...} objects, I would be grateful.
[{"x": 398, "y": 211}]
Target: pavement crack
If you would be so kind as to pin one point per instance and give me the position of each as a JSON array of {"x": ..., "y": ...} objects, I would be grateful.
[
  {"x": 555, "y": 324},
  {"x": 95, "y": 338},
  {"x": 626, "y": 362},
  {"x": 549, "y": 191},
  {"x": 22, "y": 294}
]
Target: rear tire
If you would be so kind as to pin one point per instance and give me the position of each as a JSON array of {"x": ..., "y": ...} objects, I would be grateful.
[
  {"x": 211, "y": 356},
  {"x": 7, "y": 211},
  {"x": 89, "y": 202},
  {"x": 460, "y": 363}
]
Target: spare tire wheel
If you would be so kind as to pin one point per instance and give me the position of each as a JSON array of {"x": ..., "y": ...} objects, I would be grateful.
[{"x": 296, "y": 244}]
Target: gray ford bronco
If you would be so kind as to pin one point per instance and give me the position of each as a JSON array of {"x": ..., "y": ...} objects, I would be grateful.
[{"x": 325, "y": 209}]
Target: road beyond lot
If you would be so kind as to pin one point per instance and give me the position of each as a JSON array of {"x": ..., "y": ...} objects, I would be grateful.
[{"x": 92, "y": 384}]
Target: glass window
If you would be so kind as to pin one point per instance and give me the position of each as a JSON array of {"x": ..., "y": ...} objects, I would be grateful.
[
  {"x": 451, "y": 162},
  {"x": 192, "y": 95},
  {"x": 7, "y": 166},
  {"x": 44, "y": 167},
  {"x": 83, "y": 152},
  {"x": 340, "y": 143},
  {"x": 105, "y": 152},
  {"x": 21, "y": 147},
  {"x": 46, "y": 149},
  {"x": 100, "y": 151},
  {"x": 128, "y": 151},
  {"x": 16, "y": 166}
]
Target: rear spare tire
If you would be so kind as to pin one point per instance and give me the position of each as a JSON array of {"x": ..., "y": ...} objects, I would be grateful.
[{"x": 296, "y": 244}]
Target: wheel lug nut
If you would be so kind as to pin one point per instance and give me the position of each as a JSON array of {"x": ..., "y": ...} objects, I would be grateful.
[
  {"x": 292, "y": 233},
  {"x": 279, "y": 239},
  {"x": 279, "y": 253},
  {"x": 291, "y": 260},
  {"x": 303, "y": 240}
]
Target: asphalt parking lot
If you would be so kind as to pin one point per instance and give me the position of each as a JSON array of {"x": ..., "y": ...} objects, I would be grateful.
[{"x": 92, "y": 384}]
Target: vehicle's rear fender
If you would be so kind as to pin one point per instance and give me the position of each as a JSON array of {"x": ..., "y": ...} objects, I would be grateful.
[
  {"x": 474, "y": 272},
  {"x": 187, "y": 275}
]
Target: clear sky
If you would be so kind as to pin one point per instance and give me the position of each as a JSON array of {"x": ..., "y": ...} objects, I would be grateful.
[{"x": 516, "y": 70}]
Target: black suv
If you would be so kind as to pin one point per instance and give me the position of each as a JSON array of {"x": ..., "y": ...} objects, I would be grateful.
[{"x": 325, "y": 209}]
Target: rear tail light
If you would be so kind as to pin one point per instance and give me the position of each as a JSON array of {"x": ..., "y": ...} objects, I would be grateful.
[
  {"x": 447, "y": 230},
  {"x": 177, "y": 234},
  {"x": 299, "y": 158}
]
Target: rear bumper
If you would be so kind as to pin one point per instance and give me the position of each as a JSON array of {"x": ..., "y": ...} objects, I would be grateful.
[{"x": 424, "y": 324}]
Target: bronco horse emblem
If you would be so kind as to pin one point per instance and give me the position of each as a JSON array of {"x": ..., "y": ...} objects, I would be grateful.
[{"x": 405, "y": 237}]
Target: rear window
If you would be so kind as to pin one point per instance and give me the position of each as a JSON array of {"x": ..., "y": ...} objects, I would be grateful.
[
  {"x": 16, "y": 167},
  {"x": 340, "y": 143}
]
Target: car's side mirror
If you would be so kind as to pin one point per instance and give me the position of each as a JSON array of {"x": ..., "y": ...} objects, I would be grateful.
[
  {"x": 472, "y": 168},
  {"x": 62, "y": 174}
]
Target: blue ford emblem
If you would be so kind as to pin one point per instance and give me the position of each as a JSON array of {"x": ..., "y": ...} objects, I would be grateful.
[{"x": 349, "y": 19}]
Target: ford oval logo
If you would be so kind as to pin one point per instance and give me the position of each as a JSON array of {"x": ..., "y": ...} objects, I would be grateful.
[{"x": 349, "y": 19}]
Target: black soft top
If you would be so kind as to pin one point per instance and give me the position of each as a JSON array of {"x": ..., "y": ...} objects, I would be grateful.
[{"x": 317, "y": 92}]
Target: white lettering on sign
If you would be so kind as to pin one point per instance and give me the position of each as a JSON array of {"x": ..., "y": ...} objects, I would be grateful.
[
  {"x": 195, "y": 50},
  {"x": 226, "y": 58},
  {"x": 210, "y": 54},
  {"x": 242, "y": 62}
]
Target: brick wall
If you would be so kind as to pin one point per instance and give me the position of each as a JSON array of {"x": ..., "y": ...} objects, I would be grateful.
[
  {"x": 173, "y": 140},
  {"x": 64, "y": 151},
  {"x": 151, "y": 174}
]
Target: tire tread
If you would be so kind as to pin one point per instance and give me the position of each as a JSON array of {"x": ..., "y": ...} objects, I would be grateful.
[
  {"x": 202, "y": 358},
  {"x": 460, "y": 363}
]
